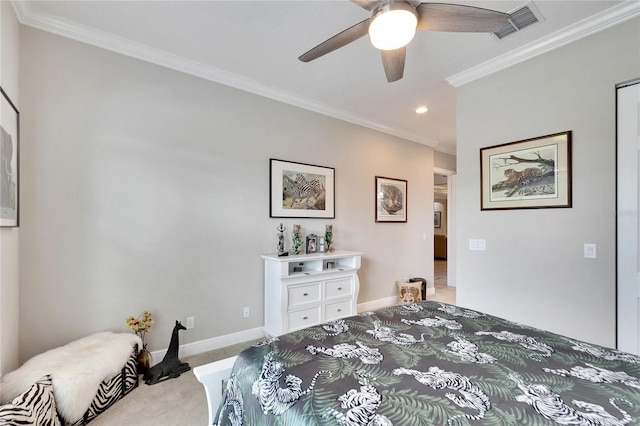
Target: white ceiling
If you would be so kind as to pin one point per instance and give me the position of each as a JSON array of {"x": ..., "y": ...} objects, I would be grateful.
[{"x": 254, "y": 45}]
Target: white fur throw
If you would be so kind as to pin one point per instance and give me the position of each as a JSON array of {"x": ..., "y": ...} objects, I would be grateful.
[{"x": 77, "y": 369}]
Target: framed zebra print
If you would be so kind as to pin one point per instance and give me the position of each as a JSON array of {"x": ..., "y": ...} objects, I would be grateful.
[{"x": 301, "y": 190}]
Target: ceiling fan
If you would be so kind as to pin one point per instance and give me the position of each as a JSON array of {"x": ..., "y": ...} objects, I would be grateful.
[{"x": 393, "y": 24}]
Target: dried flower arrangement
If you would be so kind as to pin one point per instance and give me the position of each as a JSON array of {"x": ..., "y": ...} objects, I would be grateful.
[{"x": 140, "y": 325}]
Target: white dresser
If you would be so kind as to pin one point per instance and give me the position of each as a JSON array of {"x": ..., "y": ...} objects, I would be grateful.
[{"x": 305, "y": 290}]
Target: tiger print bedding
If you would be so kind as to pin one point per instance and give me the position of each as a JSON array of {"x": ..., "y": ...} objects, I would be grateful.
[{"x": 430, "y": 363}]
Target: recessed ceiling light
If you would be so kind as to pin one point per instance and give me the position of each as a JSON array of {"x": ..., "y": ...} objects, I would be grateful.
[{"x": 421, "y": 109}]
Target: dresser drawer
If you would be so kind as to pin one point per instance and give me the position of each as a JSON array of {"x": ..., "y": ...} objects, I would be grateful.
[
  {"x": 337, "y": 310},
  {"x": 302, "y": 294},
  {"x": 338, "y": 288},
  {"x": 304, "y": 318}
]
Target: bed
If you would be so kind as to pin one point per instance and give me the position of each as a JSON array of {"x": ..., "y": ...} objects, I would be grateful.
[{"x": 425, "y": 363}]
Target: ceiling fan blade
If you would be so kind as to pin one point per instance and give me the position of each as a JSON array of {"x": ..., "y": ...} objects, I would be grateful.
[
  {"x": 393, "y": 62},
  {"x": 459, "y": 18},
  {"x": 366, "y": 4},
  {"x": 337, "y": 41}
]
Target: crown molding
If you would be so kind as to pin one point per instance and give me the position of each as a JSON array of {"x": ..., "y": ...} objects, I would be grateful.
[
  {"x": 599, "y": 22},
  {"x": 27, "y": 16}
]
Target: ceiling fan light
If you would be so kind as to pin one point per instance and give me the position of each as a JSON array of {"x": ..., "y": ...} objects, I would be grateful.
[{"x": 393, "y": 26}]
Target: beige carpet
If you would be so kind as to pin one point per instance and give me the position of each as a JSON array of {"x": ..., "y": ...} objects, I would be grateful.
[
  {"x": 182, "y": 401},
  {"x": 174, "y": 402}
]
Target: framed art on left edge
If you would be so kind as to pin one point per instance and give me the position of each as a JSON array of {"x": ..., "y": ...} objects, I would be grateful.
[
  {"x": 9, "y": 172},
  {"x": 301, "y": 190},
  {"x": 391, "y": 200}
]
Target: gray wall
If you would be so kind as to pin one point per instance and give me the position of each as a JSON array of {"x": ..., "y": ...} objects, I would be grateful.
[
  {"x": 9, "y": 237},
  {"x": 144, "y": 188},
  {"x": 533, "y": 270},
  {"x": 442, "y": 160}
]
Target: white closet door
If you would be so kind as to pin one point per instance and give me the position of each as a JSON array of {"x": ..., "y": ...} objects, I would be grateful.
[{"x": 628, "y": 218}]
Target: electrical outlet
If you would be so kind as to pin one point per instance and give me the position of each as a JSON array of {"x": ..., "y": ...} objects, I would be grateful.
[
  {"x": 245, "y": 312},
  {"x": 191, "y": 322}
]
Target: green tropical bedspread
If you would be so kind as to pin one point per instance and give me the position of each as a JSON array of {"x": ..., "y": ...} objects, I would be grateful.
[{"x": 430, "y": 363}]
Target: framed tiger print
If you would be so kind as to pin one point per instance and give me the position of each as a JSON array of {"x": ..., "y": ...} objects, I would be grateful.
[
  {"x": 301, "y": 190},
  {"x": 528, "y": 174},
  {"x": 391, "y": 200}
]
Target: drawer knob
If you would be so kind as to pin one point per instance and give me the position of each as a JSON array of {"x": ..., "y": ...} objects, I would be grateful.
[
  {"x": 305, "y": 318},
  {"x": 305, "y": 294},
  {"x": 339, "y": 288},
  {"x": 339, "y": 309}
]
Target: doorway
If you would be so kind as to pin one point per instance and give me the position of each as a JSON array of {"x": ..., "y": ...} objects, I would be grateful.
[{"x": 444, "y": 232}]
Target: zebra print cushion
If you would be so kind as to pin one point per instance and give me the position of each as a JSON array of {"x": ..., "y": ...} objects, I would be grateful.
[
  {"x": 113, "y": 389},
  {"x": 35, "y": 406}
]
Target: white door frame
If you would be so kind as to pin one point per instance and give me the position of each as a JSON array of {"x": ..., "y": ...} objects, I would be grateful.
[
  {"x": 627, "y": 224},
  {"x": 451, "y": 225}
]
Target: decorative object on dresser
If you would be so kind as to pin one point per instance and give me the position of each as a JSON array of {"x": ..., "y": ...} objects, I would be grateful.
[
  {"x": 301, "y": 190},
  {"x": 328, "y": 238},
  {"x": 170, "y": 366},
  {"x": 391, "y": 200},
  {"x": 9, "y": 164},
  {"x": 312, "y": 243},
  {"x": 324, "y": 289},
  {"x": 281, "y": 251},
  {"x": 297, "y": 240},
  {"x": 528, "y": 174}
]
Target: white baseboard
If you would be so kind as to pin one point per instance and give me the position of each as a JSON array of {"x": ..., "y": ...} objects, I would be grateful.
[
  {"x": 195, "y": 348},
  {"x": 377, "y": 304},
  {"x": 373, "y": 305}
]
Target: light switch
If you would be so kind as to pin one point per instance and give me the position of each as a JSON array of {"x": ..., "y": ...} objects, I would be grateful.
[
  {"x": 590, "y": 251},
  {"x": 478, "y": 245}
]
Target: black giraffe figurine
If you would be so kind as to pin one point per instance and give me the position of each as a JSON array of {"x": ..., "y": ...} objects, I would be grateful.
[{"x": 170, "y": 366}]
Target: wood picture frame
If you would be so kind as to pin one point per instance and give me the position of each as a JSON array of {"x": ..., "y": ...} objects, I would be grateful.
[
  {"x": 301, "y": 190},
  {"x": 391, "y": 200},
  {"x": 437, "y": 219},
  {"x": 9, "y": 162},
  {"x": 528, "y": 174}
]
